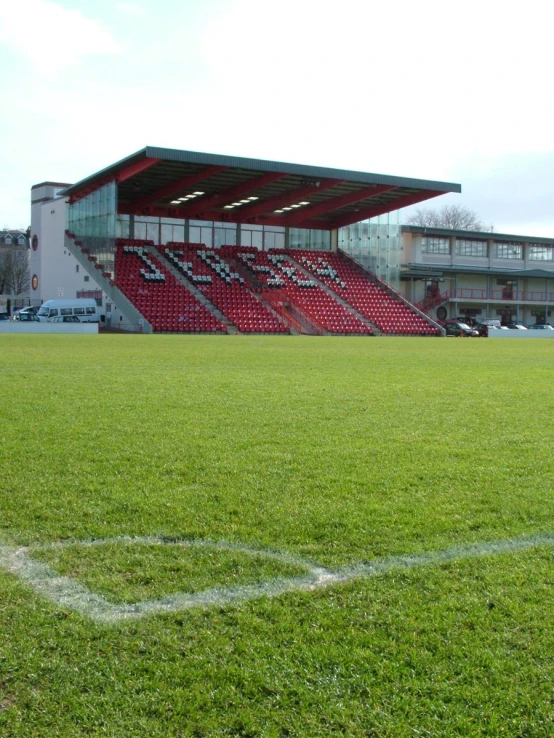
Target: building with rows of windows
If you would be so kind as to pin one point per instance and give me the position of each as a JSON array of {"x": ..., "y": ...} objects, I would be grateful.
[{"x": 478, "y": 274}]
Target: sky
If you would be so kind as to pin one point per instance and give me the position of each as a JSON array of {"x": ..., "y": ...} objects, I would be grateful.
[{"x": 451, "y": 91}]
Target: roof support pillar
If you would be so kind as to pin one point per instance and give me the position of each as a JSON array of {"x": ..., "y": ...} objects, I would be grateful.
[{"x": 334, "y": 240}]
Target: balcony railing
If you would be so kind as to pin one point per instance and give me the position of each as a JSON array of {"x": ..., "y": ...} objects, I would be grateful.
[
  {"x": 508, "y": 295},
  {"x": 433, "y": 300}
]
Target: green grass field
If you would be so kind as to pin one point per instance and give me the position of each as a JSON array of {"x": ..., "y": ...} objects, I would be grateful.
[{"x": 214, "y": 475}]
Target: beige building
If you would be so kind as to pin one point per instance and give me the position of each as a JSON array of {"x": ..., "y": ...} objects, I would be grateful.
[{"x": 476, "y": 275}]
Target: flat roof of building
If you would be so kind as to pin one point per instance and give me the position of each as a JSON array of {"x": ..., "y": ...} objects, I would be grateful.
[
  {"x": 478, "y": 235},
  {"x": 51, "y": 184},
  {"x": 417, "y": 271},
  {"x": 186, "y": 184}
]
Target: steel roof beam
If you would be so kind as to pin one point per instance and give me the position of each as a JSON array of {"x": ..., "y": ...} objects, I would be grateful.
[
  {"x": 133, "y": 169},
  {"x": 197, "y": 208},
  {"x": 174, "y": 188},
  {"x": 322, "y": 208},
  {"x": 287, "y": 198},
  {"x": 372, "y": 211}
]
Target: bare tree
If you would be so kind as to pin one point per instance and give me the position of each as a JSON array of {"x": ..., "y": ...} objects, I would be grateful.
[
  {"x": 20, "y": 272},
  {"x": 14, "y": 272},
  {"x": 5, "y": 271},
  {"x": 449, "y": 216}
]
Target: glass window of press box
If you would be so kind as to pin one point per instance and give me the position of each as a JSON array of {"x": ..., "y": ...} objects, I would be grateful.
[
  {"x": 507, "y": 250},
  {"x": 468, "y": 247},
  {"x": 432, "y": 245},
  {"x": 541, "y": 253}
]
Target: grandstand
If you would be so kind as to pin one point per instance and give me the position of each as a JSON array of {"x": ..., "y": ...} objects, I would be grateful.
[{"x": 183, "y": 242}]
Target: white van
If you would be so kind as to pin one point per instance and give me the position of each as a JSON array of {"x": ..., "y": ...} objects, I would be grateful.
[{"x": 85, "y": 308}]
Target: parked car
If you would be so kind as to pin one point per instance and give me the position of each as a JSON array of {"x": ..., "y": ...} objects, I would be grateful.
[
  {"x": 26, "y": 317},
  {"x": 31, "y": 309},
  {"x": 457, "y": 328},
  {"x": 64, "y": 319},
  {"x": 483, "y": 325},
  {"x": 517, "y": 327},
  {"x": 541, "y": 327},
  {"x": 4, "y": 316}
]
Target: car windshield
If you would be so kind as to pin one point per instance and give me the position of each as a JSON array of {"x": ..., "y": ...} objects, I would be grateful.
[
  {"x": 44, "y": 312},
  {"x": 464, "y": 325}
]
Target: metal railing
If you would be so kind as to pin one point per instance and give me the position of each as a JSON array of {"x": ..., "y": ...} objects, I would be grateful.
[
  {"x": 432, "y": 301},
  {"x": 291, "y": 314},
  {"x": 507, "y": 295}
]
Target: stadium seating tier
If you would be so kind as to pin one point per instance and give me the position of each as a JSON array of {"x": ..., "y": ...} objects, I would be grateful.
[{"x": 317, "y": 291}]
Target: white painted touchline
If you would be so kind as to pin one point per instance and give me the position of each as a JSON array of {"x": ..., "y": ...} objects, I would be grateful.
[{"x": 67, "y": 593}]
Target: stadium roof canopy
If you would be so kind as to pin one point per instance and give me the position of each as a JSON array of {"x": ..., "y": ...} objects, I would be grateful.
[{"x": 186, "y": 184}]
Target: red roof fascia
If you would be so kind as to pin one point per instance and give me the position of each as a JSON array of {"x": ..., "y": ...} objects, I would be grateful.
[
  {"x": 121, "y": 176},
  {"x": 136, "y": 168},
  {"x": 88, "y": 191}
]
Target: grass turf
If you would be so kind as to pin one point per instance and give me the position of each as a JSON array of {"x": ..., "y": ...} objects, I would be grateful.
[{"x": 336, "y": 451}]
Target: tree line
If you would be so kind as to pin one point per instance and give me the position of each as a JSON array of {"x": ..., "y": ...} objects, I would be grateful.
[{"x": 453, "y": 217}]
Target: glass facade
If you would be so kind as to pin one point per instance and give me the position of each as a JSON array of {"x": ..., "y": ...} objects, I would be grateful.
[
  {"x": 466, "y": 247},
  {"x": 377, "y": 244},
  {"x": 507, "y": 250},
  {"x": 262, "y": 237},
  {"x": 541, "y": 253},
  {"x": 301, "y": 238},
  {"x": 212, "y": 234},
  {"x": 93, "y": 220},
  {"x": 433, "y": 245}
]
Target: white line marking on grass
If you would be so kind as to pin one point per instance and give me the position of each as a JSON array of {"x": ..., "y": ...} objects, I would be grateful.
[{"x": 69, "y": 594}]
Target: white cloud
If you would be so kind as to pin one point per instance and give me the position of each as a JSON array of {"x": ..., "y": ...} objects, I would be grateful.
[
  {"x": 397, "y": 86},
  {"x": 130, "y": 9},
  {"x": 50, "y": 36},
  {"x": 455, "y": 92}
]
